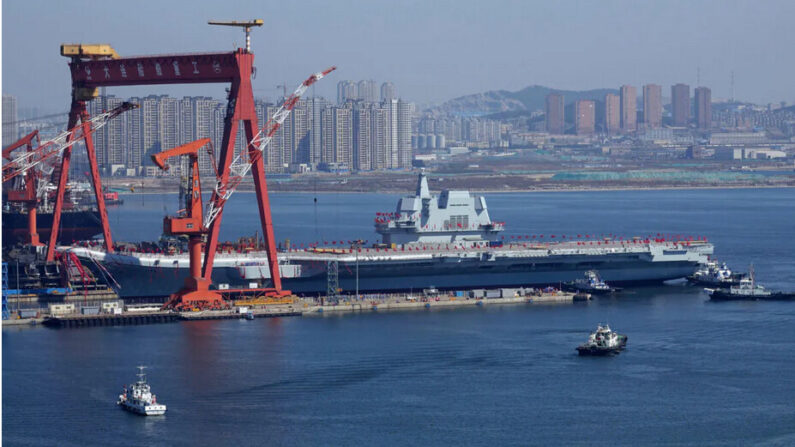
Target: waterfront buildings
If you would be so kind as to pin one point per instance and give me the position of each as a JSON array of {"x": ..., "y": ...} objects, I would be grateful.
[
  {"x": 358, "y": 133},
  {"x": 652, "y": 106},
  {"x": 555, "y": 114},
  {"x": 629, "y": 104},
  {"x": 680, "y": 105},
  {"x": 612, "y": 113},
  {"x": 388, "y": 92},
  {"x": 585, "y": 117},
  {"x": 703, "y": 107}
]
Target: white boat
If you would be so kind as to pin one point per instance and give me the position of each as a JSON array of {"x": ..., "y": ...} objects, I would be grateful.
[
  {"x": 139, "y": 398},
  {"x": 714, "y": 274},
  {"x": 603, "y": 342}
]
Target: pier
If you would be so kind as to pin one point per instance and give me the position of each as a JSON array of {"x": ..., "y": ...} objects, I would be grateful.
[{"x": 114, "y": 313}]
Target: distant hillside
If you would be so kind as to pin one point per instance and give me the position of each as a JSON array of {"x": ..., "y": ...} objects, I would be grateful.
[{"x": 499, "y": 101}]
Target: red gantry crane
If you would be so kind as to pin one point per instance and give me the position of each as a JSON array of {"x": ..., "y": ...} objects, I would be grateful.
[{"x": 95, "y": 66}]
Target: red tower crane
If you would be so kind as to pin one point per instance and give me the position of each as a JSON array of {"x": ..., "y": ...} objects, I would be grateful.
[{"x": 27, "y": 192}]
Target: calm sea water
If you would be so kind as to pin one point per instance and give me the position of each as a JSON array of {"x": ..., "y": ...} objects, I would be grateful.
[{"x": 695, "y": 373}]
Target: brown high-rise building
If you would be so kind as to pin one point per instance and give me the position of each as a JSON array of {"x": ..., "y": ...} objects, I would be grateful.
[
  {"x": 652, "y": 106},
  {"x": 703, "y": 109},
  {"x": 555, "y": 114},
  {"x": 629, "y": 108},
  {"x": 584, "y": 117},
  {"x": 680, "y": 104},
  {"x": 612, "y": 113}
]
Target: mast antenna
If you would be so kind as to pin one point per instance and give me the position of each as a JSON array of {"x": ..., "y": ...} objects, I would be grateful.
[{"x": 247, "y": 25}]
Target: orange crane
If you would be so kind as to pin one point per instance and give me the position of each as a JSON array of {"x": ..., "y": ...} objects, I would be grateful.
[{"x": 196, "y": 292}]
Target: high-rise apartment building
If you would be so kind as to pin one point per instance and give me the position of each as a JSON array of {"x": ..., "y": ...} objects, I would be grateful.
[
  {"x": 382, "y": 136},
  {"x": 388, "y": 92},
  {"x": 115, "y": 136},
  {"x": 337, "y": 136},
  {"x": 652, "y": 106},
  {"x": 10, "y": 126},
  {"x": 316, "y": 136},
  {"x": 584, "y": 117},
  {"x": 612, "y": 113},
  {"x": 703, "y": 107},
  {"x": 366, "y": 90},
  {"x": 680, "y": 104},
  {"x": 300, "y": 140},
  {"x": 629, "y": 108},
  {"x": 363, "y": 138},
  {"x": 187, "y": 126},
  {"x": 555, "y": 114},
  {"x": 347, "y": 91},
  {"x": 134, "y": 123},
  {"x": 205, "y": 110},
  {"x": 168, "y": 125},
  {"x": 98, "y": 137},
  {"x": 150, "y": 128},
  {"x": 404, "y": 154}
]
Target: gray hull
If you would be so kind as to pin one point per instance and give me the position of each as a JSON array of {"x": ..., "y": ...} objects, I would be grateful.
[{"x": 139, "y": 281}]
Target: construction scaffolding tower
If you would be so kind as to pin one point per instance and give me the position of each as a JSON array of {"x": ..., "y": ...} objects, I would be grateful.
[{"x": 332, "y": 280}]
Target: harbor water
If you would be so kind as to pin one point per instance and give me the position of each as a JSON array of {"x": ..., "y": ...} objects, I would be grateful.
[{"x": 695, "y": 372}]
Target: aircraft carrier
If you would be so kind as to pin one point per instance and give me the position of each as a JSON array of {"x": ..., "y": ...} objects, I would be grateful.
[{"x": 446, "y": 241}]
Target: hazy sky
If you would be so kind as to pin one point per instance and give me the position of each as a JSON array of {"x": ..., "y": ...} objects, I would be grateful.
[{"x": 432, "y": 50}]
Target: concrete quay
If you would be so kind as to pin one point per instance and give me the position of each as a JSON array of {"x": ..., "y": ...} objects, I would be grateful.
[
  {"x": 301, "y": 307},
  {"x": 442, "y": 302}
]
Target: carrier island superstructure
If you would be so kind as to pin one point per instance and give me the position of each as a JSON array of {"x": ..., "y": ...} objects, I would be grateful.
[{"x": 446, "y": 241}]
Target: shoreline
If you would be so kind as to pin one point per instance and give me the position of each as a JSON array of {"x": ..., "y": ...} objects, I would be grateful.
[{"x": 506, "y": 191}]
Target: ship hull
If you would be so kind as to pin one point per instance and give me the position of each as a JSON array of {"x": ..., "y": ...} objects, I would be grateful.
[
  {"x": 75, "y": 226},
  {"x": 724, "y": 295},
  {"x": 396, "y": 274}
]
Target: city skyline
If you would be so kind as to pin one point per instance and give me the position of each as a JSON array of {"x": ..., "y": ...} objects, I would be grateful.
[{"x": 306, "y": 43}]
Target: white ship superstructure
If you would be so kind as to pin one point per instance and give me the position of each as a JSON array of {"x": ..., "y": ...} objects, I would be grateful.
[{"x": 453, "y": 216}]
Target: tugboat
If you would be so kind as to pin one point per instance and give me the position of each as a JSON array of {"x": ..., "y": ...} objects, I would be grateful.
[
  {"x": 749, "y": 290},
  {"x": 139, "y": 398},
  {"x": 714, "y": 274},
  {"x": 603, "y": 342},
  {"x": 591, "y": 283}
]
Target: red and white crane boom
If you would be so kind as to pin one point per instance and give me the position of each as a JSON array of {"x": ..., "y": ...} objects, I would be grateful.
[
  {"x": 242, "y": 163},
  {"x": 66, "y": 139}
]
